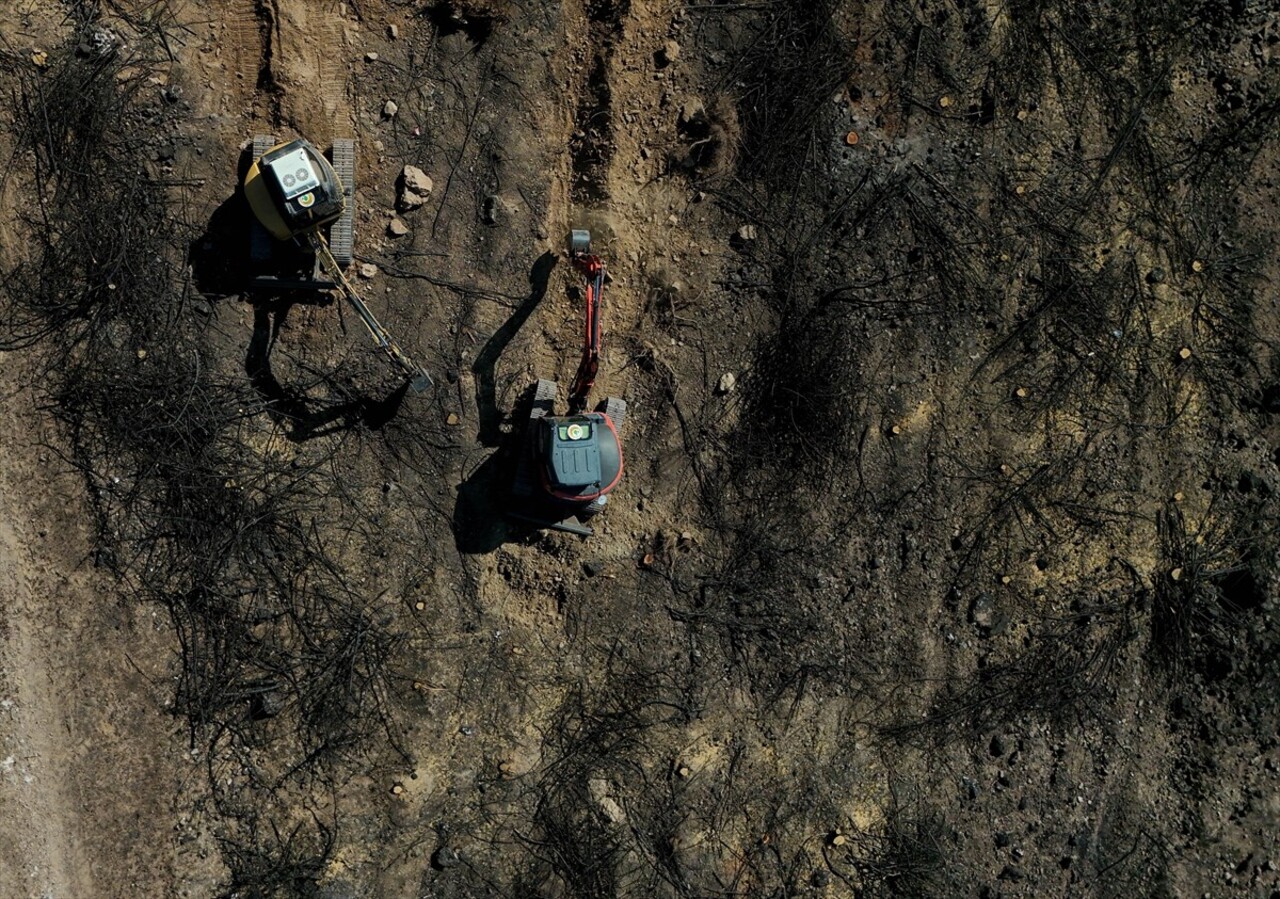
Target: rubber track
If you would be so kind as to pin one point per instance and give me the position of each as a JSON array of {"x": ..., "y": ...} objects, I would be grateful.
[
  {"x": 544, "y": 397},
  {"x": 342, "y": 234},
  {"x": 260, "y": 240},
  {"x": 616, "y": 409}
]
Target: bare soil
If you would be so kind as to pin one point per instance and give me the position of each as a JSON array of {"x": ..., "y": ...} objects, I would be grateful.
[{"x": 964, "y": 584}]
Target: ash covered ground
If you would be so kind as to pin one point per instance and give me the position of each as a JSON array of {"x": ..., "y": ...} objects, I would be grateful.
[{"x": 945, "y": 559}]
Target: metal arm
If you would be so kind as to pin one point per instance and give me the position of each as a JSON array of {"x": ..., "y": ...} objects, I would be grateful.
[
  {"x": 418, "y": 378},
  {"x": 592, "y": 268}
]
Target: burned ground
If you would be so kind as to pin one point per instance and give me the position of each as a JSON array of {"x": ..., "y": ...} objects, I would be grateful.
[{"x": 963, "y": 584}]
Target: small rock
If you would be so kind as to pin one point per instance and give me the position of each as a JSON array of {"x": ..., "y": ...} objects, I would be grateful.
[
  {"x": 417, "y": 187},
  {"x": 692, "y": 110},
  {"x": 373, "y": 57},
  {"x": 1002, "y": 839},
  {"x": 267, "y": 704},
  {"x": 1012, "y": 873},
  {"x": 397, "y": 227},
  {"x": 416, "y": 180},
  {"x": 747, "y": 232},
  {"x": 368, "y": 270},
  {"x": 492, "y": 209},
  {"x": 1252, "y": 482},
  {"x": 970, "y": 787},
  {"x": 452, "y": 419},
  {"x": 1156, "y": 276},
  {"x": 591, "y": 567},
  {"x": 726, "y": 384},
  {"x": 669, "y": 53},
  {"x": 390, "y": 109},
  {"x": 997, "y": 747},
  {"x": 982, "y": 611},
  {"x": 445, "y": 857},
  {"x": 393, "y": 31}
]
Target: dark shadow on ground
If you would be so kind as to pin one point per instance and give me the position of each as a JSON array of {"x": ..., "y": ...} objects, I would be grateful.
[
  {"x": 305, "y": 418},
  {"x": 487, "y": 359},
  {"x": 219, "y": 257},
  {"x": 480, "y": 522}
]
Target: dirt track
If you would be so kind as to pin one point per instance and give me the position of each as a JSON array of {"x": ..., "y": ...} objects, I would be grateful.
[
  {"x": 94, "y": 784},
  {"x": 967, "y": 587}
]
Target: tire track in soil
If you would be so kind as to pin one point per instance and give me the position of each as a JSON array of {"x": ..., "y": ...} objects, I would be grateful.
[
  {"x": 247, "y": 36},
  {"x": 88, "y": 771},
  {"x": 581, "y": 191},
  {"x": 288, "y": 65},
  {"x": 591, "y": 145},
  {"x": 38, "y": 853},
  {"x": 309, "y": 65}
]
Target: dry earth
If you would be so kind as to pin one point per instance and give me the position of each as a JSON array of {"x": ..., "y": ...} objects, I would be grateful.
[{"x": 964, "y": 586}]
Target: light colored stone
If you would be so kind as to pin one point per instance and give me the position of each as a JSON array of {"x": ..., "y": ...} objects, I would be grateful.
[
  {"x": 416, "y": 180},
  {"x": 368, "y": 270},
  {"x": 691, "y": 109},
  {"x": 417, "y": 187},
  {"x": 727, "y": 383},
  {"x": 390, "y": 109},
  {"x": 397, "y": 227}
]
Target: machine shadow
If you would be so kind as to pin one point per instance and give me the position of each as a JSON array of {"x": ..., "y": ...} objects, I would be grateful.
[
  {"x": 487, "y": 359},
  {"x": 302, "y": 418},
  {"x": 480, "y": 523},
  {"x": 219, "y": 257}
]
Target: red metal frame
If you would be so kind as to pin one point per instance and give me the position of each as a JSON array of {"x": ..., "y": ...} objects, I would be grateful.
[{"x": 592, "y": 268}]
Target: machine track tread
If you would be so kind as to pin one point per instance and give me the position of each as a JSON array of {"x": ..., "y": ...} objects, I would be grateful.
[
  {"x": 541, "y": 404},
  {"x": 616, "y": 408},
  {"x": 260, "y": 240},
  {"x": 342, "y": 233}
]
